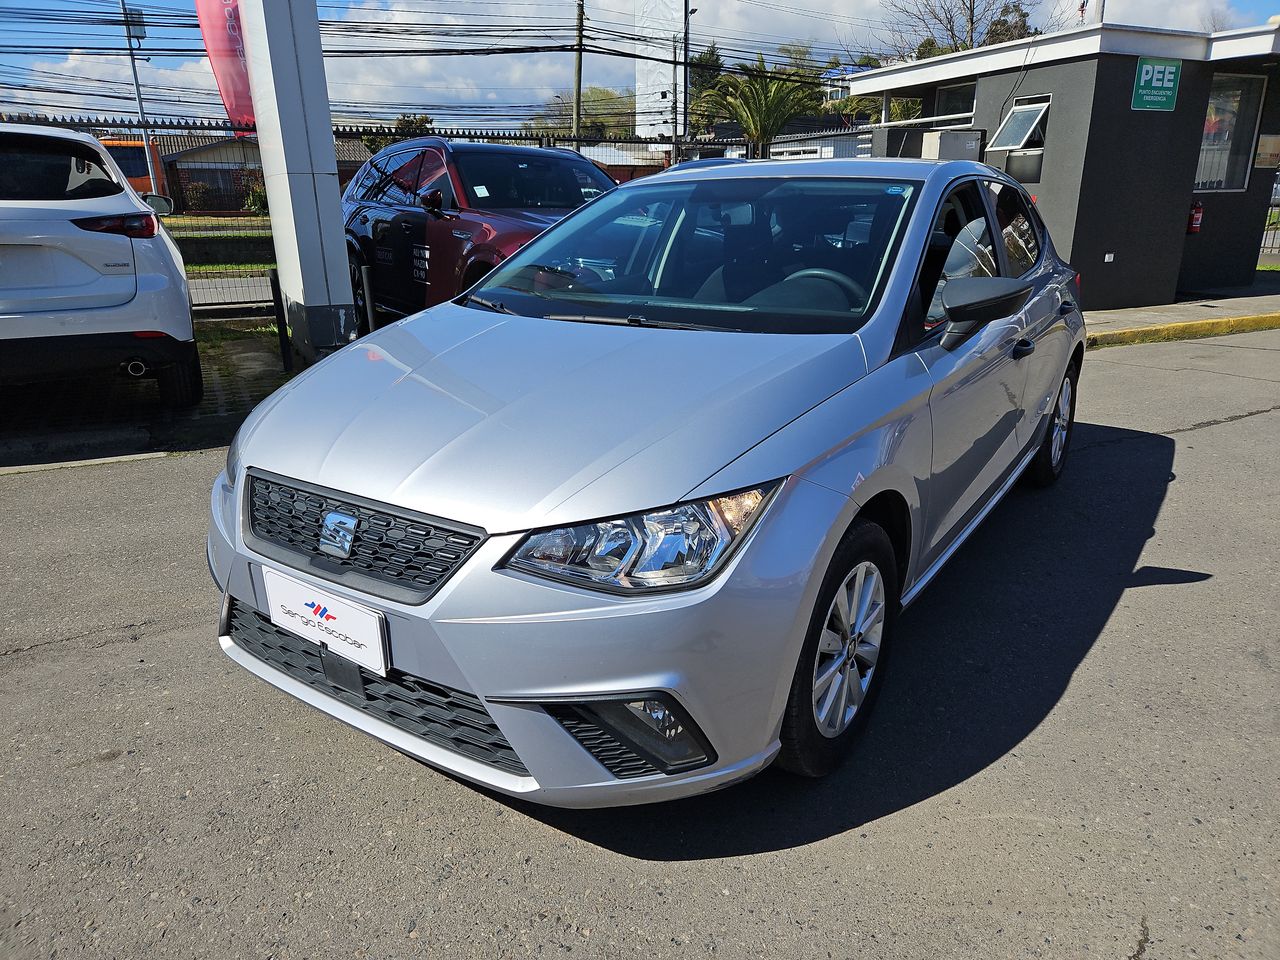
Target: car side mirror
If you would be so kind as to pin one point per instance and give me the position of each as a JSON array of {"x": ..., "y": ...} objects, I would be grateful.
[
  {"x": 971, "y": 303},
  {"x": 163, "y": 206},
  {"x": 433, "y": 201}
]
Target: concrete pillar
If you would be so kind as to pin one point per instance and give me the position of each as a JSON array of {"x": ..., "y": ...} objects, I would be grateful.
[{"x": 300, "y": 168}]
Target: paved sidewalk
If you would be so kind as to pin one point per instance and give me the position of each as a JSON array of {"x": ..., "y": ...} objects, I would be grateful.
[{"x": 1210, "y": 313}]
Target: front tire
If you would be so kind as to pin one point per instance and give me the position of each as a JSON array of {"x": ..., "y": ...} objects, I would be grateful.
[
  {"x": 181, "y": 384},
  {"x": 357, "y": 295},
  {"x": 843, "y": 658},
  {"x": 1050, "y": 459}
]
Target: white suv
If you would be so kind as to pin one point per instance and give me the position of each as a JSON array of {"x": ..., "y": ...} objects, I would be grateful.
[{"x": 89, "y": 279}]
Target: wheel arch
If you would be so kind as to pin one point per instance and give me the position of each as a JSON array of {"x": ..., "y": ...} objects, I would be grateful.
[{"x": 890, "y": 511}]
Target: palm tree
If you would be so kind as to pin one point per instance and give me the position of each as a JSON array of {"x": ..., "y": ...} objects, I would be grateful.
[{"x": 761, "y": 101}]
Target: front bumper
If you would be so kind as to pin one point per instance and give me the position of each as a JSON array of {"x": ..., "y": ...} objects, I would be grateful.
[{"x": 725, "y": 652}]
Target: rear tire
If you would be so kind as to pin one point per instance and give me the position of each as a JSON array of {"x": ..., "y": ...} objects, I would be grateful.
[
  {"x": 182, "y": 383},
  {"x": 1051, "y": 458},
  {"x": 842, "y": 662}
]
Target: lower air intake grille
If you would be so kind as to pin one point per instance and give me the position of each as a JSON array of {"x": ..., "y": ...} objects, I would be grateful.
[
  {"x": 615, "y": 756},
  {"x": 449, "y": 718}
]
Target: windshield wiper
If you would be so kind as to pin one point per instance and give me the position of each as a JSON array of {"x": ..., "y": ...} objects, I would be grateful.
[
  {"x": 493, "y": 305},
  {"x": 634, "y": 320}
]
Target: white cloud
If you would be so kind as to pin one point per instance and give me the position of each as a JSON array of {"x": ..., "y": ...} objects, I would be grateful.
[{"x": 388, "y": 84}]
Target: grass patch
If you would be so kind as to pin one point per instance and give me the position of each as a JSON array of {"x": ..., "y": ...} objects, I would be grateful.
[
  {"x": 1270, "y": 267},
  {"x": 214, "y": 333},
  {"x": 227, "y": 269}
]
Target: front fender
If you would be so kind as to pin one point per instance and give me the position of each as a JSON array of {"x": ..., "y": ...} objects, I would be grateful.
[{"x": 872, "y": 437}]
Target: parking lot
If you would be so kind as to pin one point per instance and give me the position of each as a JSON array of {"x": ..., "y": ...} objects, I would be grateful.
[{"x": 1075, "y": 753}]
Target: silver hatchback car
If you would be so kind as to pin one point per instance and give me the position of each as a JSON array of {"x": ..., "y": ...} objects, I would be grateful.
[{"x": 635, "y": 516}]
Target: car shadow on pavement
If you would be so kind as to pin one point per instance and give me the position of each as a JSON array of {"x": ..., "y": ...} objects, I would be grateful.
[
  {"x": 981, "y": 659},
  {"x": 113, "y": 415}
]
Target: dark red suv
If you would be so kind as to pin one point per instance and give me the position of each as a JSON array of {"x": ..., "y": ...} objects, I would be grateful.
[{"x": 431, "y": 217}]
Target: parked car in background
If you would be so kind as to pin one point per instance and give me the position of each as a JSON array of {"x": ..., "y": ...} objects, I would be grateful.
[
  {"x": 89, "y": 279},
  {"x": 430, "y": 216},
  {"x": 635, "y": 515},
  {"x": 130, "y": 155}
]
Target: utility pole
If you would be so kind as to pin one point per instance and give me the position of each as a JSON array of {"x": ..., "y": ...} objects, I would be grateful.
[
  {"x": 134, "y": 28},
  {"x": 685, "y": 92},
  {"x": 577, "y": 77},
  {"x": 675, "y": 100}
]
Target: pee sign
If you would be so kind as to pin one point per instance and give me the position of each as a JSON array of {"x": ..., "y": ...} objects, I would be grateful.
[{"x": 1155, "y": 84}]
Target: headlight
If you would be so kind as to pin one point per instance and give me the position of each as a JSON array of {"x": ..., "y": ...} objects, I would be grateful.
[
  {"x": 233, "y": 459},
  {"x": 677, "y": 546}
]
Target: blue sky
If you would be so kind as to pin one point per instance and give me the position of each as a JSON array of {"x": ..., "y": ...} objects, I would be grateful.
[{"x": 456, "y": 89}]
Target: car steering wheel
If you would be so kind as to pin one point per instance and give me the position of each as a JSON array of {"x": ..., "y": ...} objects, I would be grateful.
[{"x": 851, "y": 287}]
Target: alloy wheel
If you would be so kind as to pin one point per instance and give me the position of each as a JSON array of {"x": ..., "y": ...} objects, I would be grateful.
[
  {"x": 848, "y": 649},
  {"x": 1061, "y": 422}
]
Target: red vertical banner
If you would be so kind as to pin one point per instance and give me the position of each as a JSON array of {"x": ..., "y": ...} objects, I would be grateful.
[{"x": 224, "y": 42}]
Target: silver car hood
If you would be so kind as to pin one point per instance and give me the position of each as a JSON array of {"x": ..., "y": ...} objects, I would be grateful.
[{"x": 511, "y": 423}]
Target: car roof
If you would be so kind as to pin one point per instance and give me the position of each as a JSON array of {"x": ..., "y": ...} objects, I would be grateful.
[
  {"x": 37, "y": 130},
  {"x": 886, "y": 168},
  {"x": 468, "y": 146}
]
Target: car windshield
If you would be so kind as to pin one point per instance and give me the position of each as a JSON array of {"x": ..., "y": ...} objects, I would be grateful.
[
  {"x": 527, "y": 181},
  {"x": 33, "y": 167},
  {"x": 775, "y": 255}
]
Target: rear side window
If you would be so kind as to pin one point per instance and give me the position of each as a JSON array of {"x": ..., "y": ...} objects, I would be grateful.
[
  {"x": 33, "y": 167},
  {"x": 1018, "y": 230}
]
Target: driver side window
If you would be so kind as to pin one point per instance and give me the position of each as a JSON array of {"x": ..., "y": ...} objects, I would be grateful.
[{"x": 959, "y": 246}]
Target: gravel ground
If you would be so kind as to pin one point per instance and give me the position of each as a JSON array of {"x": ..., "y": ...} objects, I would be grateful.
[{"x": 1075, "y": 753}]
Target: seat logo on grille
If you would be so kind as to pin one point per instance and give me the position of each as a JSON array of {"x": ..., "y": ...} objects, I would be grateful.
[{"x": 337, "y": 534}]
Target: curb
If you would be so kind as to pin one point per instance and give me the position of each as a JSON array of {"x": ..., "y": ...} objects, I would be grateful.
[{"x": 1184, "y": 330}]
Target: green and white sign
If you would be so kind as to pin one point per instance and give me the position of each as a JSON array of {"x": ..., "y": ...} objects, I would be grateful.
[{"x": 1155, "y": 85}]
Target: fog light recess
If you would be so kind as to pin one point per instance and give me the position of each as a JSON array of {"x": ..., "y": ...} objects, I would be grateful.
[{"x": 637, "y": 735}]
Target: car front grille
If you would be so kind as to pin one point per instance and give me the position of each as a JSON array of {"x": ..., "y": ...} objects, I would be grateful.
[
  {"x": 615, "y": 756},
  {"x": 453, "y": 719},
  {"x": 395, "y": 554}
]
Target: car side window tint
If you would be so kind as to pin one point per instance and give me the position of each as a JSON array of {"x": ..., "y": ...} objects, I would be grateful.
[
  {"x": 364, "y": 182},
  {"x": 434, "y": 175},
  {"x": 1018, "y": 229},
  {"x": 959, "y": 246},
  {"x": 401, "y": 178}
]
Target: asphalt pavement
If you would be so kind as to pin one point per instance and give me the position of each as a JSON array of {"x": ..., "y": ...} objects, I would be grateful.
[{"x": 1075, "y": 753}]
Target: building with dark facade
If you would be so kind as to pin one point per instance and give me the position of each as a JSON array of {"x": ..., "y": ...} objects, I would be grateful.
[{"x": 1125, "y": 136}]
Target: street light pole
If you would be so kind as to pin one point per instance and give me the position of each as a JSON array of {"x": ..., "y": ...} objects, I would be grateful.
[
  {"x": 577, "y": 77},
  {"x": 137, "y": 90}
]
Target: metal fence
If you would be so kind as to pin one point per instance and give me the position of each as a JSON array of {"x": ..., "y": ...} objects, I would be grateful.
[{"x": 213, "y": 173}]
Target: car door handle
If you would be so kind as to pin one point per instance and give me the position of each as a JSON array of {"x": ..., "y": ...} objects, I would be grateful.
[
  {"x": 406, "y": 226},
  {"x": 462, "y": 234},
  {"x": 1023, "y": 348}
]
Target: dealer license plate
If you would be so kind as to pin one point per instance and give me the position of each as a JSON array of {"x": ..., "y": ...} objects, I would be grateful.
[{"x": 349, "y": 630}]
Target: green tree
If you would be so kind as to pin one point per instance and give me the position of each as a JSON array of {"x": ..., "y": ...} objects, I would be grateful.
[
  {"x": 407, "y": 126},
  {"x": 761, "y": 101},
  {"x": 950, "y": 25},
  {"x": 704, "y": 70},
  {"x": 605, "y": 112},
  {"x": 1013, "y": 23}
]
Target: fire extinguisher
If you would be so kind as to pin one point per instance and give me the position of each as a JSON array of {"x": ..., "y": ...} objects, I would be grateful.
[{"x": 1196, "y": 216}]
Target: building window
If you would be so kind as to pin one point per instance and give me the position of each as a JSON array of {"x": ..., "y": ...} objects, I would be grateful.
[
  {"x": 1230, "y": 128},
  {"x": 955, "y": 99},
  {"x": 1023, "y": 128}
]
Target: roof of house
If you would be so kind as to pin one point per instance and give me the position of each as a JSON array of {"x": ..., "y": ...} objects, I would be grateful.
[
  {"x": 1078, "y": 42},
  {"x": 171, "y": 145}
]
